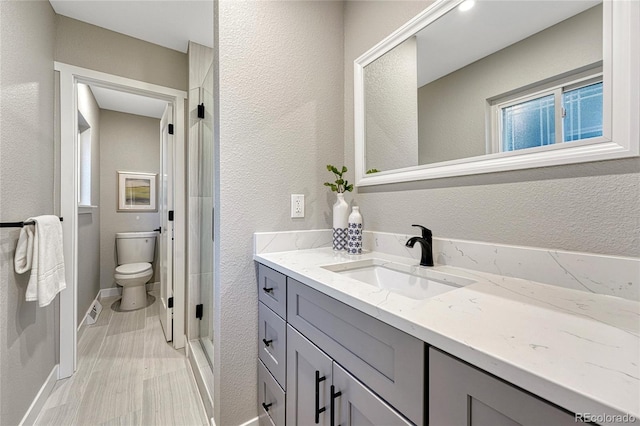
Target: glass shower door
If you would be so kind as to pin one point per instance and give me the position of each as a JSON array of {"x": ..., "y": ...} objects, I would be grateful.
[{"x": 206, "y": 180}]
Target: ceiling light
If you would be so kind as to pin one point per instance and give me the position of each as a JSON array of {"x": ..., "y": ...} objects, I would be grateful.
[{"x": 466, "y": 5}]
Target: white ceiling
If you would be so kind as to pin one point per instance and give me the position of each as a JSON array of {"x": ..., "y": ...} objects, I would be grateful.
[
  {"x": 127, "y": 102},
  {"x": 168, "y": 23},
  {"x": 460, "y": 38}
]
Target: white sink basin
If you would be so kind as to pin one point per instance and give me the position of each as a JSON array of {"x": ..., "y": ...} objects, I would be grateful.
[{"x": 414, "y": 282}]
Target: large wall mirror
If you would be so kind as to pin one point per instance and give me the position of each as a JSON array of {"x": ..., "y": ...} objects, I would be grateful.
[{"x": 475, "y": 87}]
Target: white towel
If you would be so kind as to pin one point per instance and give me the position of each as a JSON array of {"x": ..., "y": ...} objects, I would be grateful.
[{"x": 40, "y": 250}]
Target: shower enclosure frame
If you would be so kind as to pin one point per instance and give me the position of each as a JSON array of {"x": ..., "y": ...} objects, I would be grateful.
[{"x": 70, "y": 76}]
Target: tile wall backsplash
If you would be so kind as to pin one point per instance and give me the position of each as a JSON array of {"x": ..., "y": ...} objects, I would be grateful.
[
  {"x": 612, "y": 275},
  {"x": 601, "y": 274},
  {"x": 273, "y": 242}
]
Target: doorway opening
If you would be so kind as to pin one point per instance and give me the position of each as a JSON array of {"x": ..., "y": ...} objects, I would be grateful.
[{"x": 170, "y": 204}]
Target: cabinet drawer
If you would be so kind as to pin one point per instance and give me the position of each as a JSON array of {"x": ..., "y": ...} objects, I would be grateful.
[
  {"x": 462, "y": 394},
  {"x": 271, "y": 408},
  {"x": 272, "y": 343},
  {"x": 272, "y": 290},
  {"x": 387, "y": 360}
]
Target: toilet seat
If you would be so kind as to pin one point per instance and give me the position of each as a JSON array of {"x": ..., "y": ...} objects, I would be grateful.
[{"x": 132, "y": 270}]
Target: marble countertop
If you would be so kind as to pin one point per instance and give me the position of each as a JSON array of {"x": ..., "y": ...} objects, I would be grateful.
[{"x": 578, "y": 350}]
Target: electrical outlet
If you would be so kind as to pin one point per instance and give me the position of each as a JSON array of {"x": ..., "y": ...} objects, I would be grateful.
[{"x": 297, "y": 205}]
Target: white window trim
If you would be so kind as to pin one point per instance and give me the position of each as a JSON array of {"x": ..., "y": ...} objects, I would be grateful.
[{"x": 557, "y": 89}]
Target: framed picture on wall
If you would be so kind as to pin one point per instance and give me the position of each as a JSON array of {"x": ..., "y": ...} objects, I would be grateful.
[{"x": 137, "y": 192}]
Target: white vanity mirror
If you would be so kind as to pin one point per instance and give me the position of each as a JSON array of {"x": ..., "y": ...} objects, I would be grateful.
[{"x": 498, "y": 86}]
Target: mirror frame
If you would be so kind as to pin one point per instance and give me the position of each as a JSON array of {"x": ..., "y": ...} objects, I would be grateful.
[{"x": 621, "y": 105}]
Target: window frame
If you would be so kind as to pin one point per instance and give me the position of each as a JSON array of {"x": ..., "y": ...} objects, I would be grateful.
[{"x": 556, "y": 87}]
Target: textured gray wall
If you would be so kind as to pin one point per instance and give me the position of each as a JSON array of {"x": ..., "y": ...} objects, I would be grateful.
[
  {"x": 591, "y": 207},
  {"x": 89, "y": 46},
  {"x": 129, "y": 143},
  {"x": 452, "y": 108},
  {"x": 391, "y": 109},
  {"x": 89, "y": 223},
  {"x": 281, "y": 122},
  {"x": 27, "y": 339}
]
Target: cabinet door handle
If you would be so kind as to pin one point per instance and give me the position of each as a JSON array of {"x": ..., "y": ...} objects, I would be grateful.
[
  {"x": 334, "y": 395},
  {"x": 267, "y": 342},
  {"x": 268, "y": 290},
  {"x": 318, "y": 409},
  {"x": 266, "y": 406}
]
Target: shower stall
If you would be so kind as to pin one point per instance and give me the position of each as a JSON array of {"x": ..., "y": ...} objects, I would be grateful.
[
  {"x": 201, "y": 182},
  {"x": 206, "y": 163}
]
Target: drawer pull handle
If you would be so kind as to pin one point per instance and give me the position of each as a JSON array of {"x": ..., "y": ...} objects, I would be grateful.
[
  {"x": 318, "y": 409},
  {"x": 266, "y": 406},
  {"x": 268, "y": 290},
  {"x": 267, "y": 342}
]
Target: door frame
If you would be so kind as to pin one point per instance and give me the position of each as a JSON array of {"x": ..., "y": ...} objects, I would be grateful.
[{"x": 70, "y": 76}]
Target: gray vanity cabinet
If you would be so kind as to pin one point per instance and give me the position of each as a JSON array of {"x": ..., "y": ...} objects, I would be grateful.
[
  {"x": 310, "y": 342},
  {"x": 460, "y": 394},
  {"x": 272, "y": 332},
  {"x": 318, "y": 389},
  {"x": 385, "y": 359}
]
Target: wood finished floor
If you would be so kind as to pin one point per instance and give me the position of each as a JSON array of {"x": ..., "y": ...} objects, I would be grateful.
[{"x": 127, "y": 374}]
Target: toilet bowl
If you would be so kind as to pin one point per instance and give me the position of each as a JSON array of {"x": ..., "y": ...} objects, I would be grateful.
[
  {"x": 133, "y": 277},
  {"x": 135, "y": 252}
]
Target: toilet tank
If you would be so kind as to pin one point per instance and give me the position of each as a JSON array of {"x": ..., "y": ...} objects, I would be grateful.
[{"x": 134, "y": 247}]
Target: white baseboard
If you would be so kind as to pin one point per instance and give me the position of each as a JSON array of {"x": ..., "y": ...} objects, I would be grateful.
[
  {"x": 33, "y": 412},
  {"x": 117, "y": 291},
  {"x": 252, "y": 422},
  {"x": 110, "y": 292}
]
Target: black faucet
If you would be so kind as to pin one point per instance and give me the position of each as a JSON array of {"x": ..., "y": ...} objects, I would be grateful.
[{"x": 426, "y": 243}]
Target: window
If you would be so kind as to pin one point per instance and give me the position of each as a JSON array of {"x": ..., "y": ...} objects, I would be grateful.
[
  {"x": 564, "y": 113},
  {"x": 84, "y": 147},
  {"x": 582, "y": 112}
]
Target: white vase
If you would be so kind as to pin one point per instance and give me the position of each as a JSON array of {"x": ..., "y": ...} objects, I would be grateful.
[
  {"x": 340, "y": 223},
  {"x": 354, "y": 243}
]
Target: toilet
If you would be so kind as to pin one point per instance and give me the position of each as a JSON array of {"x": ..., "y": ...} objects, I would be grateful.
[{"x": 135, "y": 252}]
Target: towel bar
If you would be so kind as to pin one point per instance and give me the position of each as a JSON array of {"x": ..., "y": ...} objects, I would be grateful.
[{"x": 17, "y": 224}]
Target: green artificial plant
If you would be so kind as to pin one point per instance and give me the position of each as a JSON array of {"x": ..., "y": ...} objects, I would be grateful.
[{"x": 340, "y": 185}]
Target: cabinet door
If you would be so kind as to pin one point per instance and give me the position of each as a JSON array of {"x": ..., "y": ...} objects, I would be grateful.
[
  {"x": 460, "y": 394},
  {"x": 356, "y": 405},
  {"x": 308, "y": 382}
]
